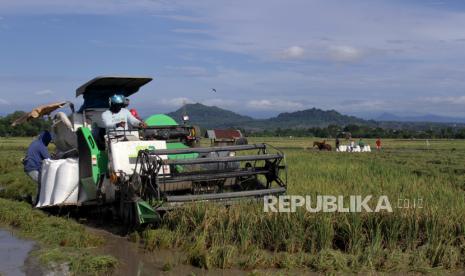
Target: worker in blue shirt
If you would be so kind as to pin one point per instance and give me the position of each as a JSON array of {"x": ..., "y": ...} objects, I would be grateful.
[{"x": 36, "y": 153}]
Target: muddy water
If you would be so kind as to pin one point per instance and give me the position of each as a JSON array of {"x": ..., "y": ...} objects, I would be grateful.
[
  {"x": 15, "y": 259},
  {"x": 134, "y": 260},
  {"x": 14, "y": 253}
]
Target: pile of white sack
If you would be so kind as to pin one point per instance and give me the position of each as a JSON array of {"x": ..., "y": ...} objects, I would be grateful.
[
  {"x": 356, "y": 148},
  {"x": 59, "y": 182}
]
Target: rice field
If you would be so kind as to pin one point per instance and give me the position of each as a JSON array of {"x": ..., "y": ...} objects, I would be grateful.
[
  {"x": 60, "y": 239},
  {"x": 430, "y": 238},
  {"x": 426, "y": 239}
]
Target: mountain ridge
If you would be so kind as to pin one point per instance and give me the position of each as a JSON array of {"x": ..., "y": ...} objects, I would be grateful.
[
  {"x": 386, "y": 116},
  {"x": 215, "y": 117}
]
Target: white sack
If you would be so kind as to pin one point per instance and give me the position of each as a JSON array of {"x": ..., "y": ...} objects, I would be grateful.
[{"x": 66, "y": 183}]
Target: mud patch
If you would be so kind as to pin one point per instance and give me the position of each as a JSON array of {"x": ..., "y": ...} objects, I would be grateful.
[{"x": 134, "y": 260}]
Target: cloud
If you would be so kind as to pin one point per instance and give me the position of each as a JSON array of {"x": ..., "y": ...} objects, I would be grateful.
[
  {"x": 188, "y": 71},
  {"x": 44, "y": 92},
  {"x": 176, "y": 102},
  {"x": 193, "y": 71},
  {"x": 293, "y": 52},
  {"x": 397, "y": 41},
  {"x": 460, "y": 100},
  {"x": 183, "y": 18},
  {"x": 225, "y": 103},
  {"x": 412, "y": 41},
  {"x": 344, "y": 53},
  {"x": 192, "y": 31},
  {"x": 362, "y": 105},
  {"x": 436, "y": 3},
  {"x": 275, "y": 105},
  {"x": 4, "y": 102},
  {"x": 180, "y": 101},
  {"x": 84, "y": 6},
  {"x": 322, "y": 30}
]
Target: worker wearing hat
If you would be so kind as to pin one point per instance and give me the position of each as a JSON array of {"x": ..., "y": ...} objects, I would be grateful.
[{"x": 117, "y": 117}]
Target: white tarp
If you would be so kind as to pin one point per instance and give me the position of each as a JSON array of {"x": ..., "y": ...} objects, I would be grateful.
[{"x": 59, "y": 182}]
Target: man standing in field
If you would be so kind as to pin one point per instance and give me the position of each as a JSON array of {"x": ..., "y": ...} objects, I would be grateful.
[
  {"x": 36, "y": 153},
  {"x": 378, "y": 143},
  {"x": 361, "y": 144}
]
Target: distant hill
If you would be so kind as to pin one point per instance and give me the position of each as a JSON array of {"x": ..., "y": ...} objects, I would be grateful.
[
  {"x": 422, "y": 118},
  {"x": 210, "y": 116},
  {"x": 314, "y": 117},
  {"x": 214, "y": 117}
]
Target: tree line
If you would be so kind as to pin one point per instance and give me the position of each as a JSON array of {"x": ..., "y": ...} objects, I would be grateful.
[
  {"x": 333, "y": 131},
  {"x": 33, "y": 127}
]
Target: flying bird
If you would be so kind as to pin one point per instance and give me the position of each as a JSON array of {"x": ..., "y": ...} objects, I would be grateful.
[{"x": 213, "y": 90}]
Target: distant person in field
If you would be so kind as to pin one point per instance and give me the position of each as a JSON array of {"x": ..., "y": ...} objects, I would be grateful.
[
  {"x": 36, "y": 153},
  {"x": 361, "y": 144},
  {"x": 352, "y": 145},
  {"x": 378, "y": 143},
  {"x": 337, "y": 143},
  {"x": 135, "y": 114},
  {"x": 133, "y": 111}
]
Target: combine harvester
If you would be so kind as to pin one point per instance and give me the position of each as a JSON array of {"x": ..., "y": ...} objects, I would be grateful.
[{"x": 141, "y": 172}]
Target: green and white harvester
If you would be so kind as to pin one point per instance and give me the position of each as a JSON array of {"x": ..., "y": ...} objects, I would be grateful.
[{"x": 144, "y": 171}]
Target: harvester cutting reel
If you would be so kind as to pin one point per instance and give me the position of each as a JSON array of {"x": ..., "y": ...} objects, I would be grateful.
[{"x": 169, "y": 178}]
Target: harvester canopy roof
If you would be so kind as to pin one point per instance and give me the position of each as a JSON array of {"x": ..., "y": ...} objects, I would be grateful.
[
  {"x": 109, "y": 85},
  {"x": 97, "y": 91}
]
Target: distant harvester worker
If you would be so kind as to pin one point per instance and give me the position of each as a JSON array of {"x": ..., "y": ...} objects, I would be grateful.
[
  {"x": 135, "y": 114},
  {"x": 378, "y": 143},
  {"x": 361, "y": 144},
  {"x": 351, "y": 145},
  {"x": 36, "y": 153}
]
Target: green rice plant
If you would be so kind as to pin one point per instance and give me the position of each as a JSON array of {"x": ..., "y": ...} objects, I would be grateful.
[
  {"x": 420, "y": 239},
  {"x": 89, "y": 264},
  {"x": 429, "y": 238},
  {"x": 157, "y": 238},
  {"x": 253, "y": 257},
  {"x": 223, "y": 256}
]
